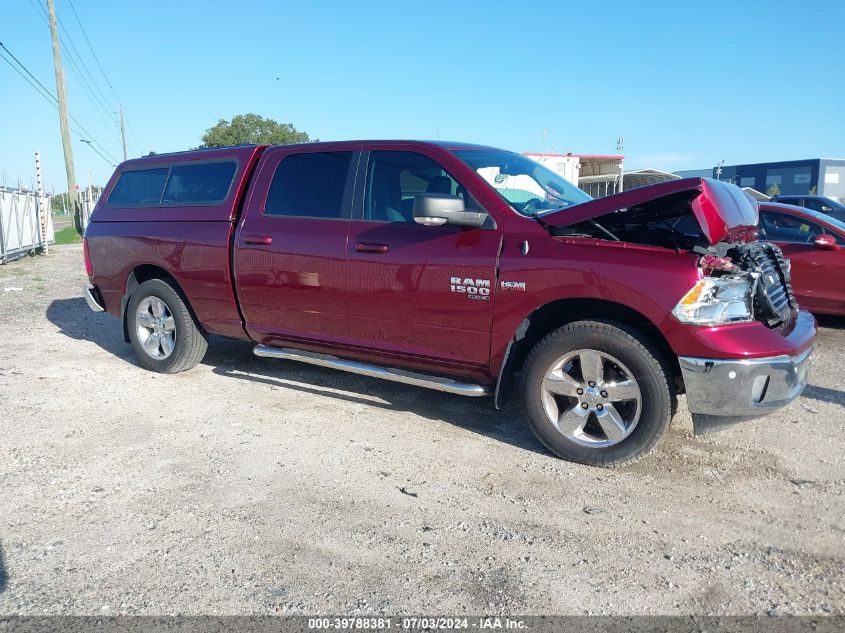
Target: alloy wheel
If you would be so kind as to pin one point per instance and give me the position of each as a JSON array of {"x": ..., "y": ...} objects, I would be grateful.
[
  {"x": 591, "y": 398},
  {"x": 155, "y": 327}
]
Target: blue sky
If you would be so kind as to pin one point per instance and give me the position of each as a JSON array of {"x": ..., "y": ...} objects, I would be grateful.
[{"x": 687, "y": 83}]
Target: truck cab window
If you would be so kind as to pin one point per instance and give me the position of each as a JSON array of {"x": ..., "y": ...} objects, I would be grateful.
[
  {"x": 309, "y": 185},
  {"x": 395, "y": 178}
]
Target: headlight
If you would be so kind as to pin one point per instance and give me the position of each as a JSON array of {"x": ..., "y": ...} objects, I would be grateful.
[{"x": 715, "y": 301}]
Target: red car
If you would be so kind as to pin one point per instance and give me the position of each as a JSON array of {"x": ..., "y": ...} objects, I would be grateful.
[
  {"x": 814, "y": 243},
  {"x": 458, "y": 267}
]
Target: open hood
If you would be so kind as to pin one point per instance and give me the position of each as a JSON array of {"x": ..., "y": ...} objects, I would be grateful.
[{"x": 724, "y": 212}]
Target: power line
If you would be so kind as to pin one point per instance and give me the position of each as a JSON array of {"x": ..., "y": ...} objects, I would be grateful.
[
  {"x": 89, "y": 85},
  {"x": 93, "y": 83},
  {"x": 44, "y": 92},
  {"x": 103, "y": 72},
  {"x": 91, "y": 48},
  {"x": 19, "y": 63},
  {"x": 48, "y": 96},
  {"x": 135, "y": 142},
  {"x": 39, "y": 8},
  {"x": 91, "y": 145},
  {"x": 99, "y": 108}
]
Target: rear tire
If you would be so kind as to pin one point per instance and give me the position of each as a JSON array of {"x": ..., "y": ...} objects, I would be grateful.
[
  {"x": 166, "y": 337},
  {"x": 597, "y": 393}
]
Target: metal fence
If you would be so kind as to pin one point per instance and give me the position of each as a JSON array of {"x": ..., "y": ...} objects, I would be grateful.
[
  {"x": 87, "y": 200},
  {"x": 20, "y": 223}
]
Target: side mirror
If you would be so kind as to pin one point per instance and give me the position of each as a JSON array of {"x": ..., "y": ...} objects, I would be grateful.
[
  {"x": 827, "y": 242},
  {"x": 437, "y": 209}
]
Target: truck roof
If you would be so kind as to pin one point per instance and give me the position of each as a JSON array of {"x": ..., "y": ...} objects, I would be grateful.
[{"x": 450, "y": 145}]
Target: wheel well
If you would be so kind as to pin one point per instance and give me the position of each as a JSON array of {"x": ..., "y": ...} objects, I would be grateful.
[
  {"x": 139, "y": 275},
  {"x": 558, "y": 313}
]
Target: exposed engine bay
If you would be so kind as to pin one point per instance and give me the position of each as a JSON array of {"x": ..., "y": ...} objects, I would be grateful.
[
  {"x": 667, "y": 221},
  {"x": 744, "y": 280}
]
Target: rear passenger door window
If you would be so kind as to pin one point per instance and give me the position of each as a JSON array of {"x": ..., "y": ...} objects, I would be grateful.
[{"x": 310, "y": 185}]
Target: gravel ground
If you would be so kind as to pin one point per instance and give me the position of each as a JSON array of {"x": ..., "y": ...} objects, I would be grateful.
[{"x": 250, "y": 486}]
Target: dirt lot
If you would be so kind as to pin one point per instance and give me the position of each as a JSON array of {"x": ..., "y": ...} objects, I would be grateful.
[{"x": 258, "y": 486}]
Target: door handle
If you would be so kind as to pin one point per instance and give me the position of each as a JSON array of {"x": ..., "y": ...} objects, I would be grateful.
[
  {"x": 363, "y": 247},
  {"x": 266, "y": 240}
]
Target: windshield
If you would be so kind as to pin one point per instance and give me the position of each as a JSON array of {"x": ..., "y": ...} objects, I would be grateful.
[{"x": 526, "y": 185}]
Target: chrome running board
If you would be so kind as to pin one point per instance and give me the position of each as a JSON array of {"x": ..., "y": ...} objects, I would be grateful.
[{"x": 374, "y": 371}]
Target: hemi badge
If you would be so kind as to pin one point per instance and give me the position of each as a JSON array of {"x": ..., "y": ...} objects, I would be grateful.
[{"x": 514, "y": 285}]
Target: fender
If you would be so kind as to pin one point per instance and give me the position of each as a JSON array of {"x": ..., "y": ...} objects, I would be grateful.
[
  {"x": 550, "y": 316},
  {"x": 504, "y": 384}
]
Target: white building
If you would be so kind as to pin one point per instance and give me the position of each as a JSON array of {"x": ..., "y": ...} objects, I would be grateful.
[{"x": 599, "y": 175}]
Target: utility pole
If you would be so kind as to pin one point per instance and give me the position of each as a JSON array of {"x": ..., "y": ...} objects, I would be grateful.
[
  {"x": 39, "y": 199},
  {"x": 61, "y": 92},
  {"x": 620, "y": 147},
  {"x": 90, "y": 206},
  {"x": 123, "y": 132}
]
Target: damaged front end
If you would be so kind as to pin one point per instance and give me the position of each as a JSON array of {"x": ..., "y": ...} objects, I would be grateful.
[
  {"x": 743, "y": 283},
  {"x": 740, "y": 281}
]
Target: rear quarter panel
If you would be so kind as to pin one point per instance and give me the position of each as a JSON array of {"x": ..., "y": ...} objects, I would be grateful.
[
  {"x": 196, "y": 254},
  {"x": 190, "y": 242}
]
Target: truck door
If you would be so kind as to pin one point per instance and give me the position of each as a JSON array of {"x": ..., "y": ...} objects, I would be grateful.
[
  {"x": 417, "y": 290},
  {"x": 290, "y": 248}
]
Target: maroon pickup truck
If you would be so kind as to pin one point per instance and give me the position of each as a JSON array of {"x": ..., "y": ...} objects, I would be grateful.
[{"x": 457, "y": 267}]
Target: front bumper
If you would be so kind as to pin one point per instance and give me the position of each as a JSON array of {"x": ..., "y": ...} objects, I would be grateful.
[
  {"x": 723, "y": 392},
  {"x": 94, "y": 299}
]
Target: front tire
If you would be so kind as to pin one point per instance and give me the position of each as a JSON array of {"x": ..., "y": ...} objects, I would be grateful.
[
  {"x": 166, "y": 337},
  {"x": 597, "y": 393}
]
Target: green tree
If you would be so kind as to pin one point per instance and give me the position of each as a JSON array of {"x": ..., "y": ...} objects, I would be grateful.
[
  {"x": 250, "y": 128},
  {"x": 773, "y": 190}
]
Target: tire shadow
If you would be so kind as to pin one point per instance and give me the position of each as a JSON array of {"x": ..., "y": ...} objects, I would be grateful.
[
  {"x": 825, "y": 394},
  {"x": 75, "y": 320},
  {"x": 831, "y": 321},
  {"x": 234, "y": 358},
  {"x": 4, "y": 575}
]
